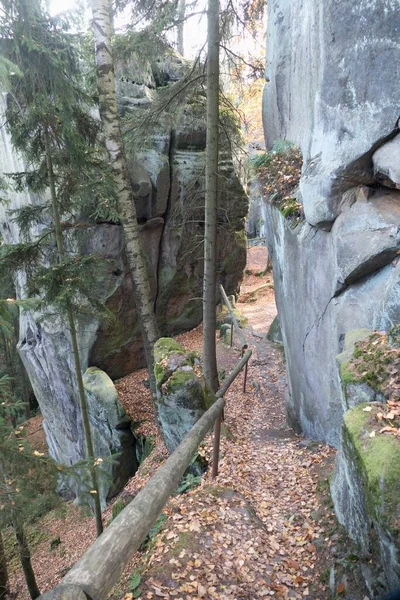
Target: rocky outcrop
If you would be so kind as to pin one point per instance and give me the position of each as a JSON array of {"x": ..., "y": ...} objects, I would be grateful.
[
  {"x": 182, "y": 397},
  {"x": 364, "y": 489},
  {"x": 333, "y": 91},
  {"x": 337, "y": 270},
  {"x": 113, "y": 438},
  {"x": 167, "y": 173}
]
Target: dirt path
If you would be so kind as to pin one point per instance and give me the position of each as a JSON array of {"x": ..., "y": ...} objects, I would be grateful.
[{"x": 264, "y": 527}]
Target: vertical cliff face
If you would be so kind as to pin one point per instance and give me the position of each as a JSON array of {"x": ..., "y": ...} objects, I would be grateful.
[
  {"x": 334, "y": 69},
  {"x": 167, "y": 174}
]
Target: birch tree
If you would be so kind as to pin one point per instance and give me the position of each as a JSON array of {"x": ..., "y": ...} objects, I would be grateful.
[
  {"x": 180, "y": 26},
  {"x": 211, "y": 196},
  {"x": 126, "y": 200}
]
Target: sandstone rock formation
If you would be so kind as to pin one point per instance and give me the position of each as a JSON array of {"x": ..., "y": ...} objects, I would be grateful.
[
  {"x": 364, "y": 489},
  {"x": 113, "y": 438},
  {"x": 337, "y": 270},
  {"x": 182, "y": 397},
  {"x": 334, "y": 92},
  {"x": 167, "y": 175}
]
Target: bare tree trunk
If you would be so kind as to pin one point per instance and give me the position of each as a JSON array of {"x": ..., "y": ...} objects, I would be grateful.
[
  {"x": 25, "y": 558},
  {"x": 180, "y": 27},
  {"x": 210, "y": 234},
  {"x": 126, "y": 201},
  {"x": 75, "y": 349},
  {"x": 3, "y": 571}
]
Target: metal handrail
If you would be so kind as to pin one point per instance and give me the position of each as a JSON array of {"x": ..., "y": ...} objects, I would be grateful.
[{"x": 98, "y": 570}]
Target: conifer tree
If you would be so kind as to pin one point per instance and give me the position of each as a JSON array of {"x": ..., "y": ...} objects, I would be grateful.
[
  {"x": 126, "y": 200},
  {"x": 49, "y": 122}
]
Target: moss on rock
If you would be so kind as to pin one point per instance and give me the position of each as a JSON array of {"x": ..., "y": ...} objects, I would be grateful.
[
  {"x": 378, "y": 455},
  {"x": 223, "y": 317},
  {"x": 180, "y": 379}
]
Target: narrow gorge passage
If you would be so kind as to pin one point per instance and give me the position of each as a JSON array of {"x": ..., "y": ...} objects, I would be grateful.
[{"x": 264, "y": 527}]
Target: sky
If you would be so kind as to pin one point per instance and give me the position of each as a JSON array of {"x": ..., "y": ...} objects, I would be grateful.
[{"x": 194, "y": 32}]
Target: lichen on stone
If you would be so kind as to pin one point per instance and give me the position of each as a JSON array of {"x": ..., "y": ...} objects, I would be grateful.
[{"x": 378, "y": 456}]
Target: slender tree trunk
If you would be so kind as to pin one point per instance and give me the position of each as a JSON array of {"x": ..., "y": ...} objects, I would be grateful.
[
  {"x": 181, "y": 22},
  {"x": 75, "y": 348},
  {"x": 210, "y": 234},
  {"x": 25, "y": 558},
  {"x": 3, "y": 571},
  {"x": 126, "y": 200}
]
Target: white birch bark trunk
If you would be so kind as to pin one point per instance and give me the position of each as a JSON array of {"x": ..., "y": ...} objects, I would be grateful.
[{"x": 126, "y": 200}]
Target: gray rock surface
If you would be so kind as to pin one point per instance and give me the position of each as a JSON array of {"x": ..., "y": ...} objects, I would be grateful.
[
  {"x": 315, "y": 315},
  {"x": 386, "y": 162},
  {"x": 274, "y": 332},
  {"x": 338, "y": 270},
  {"x": 181, "y": 395},
  {"x": 333, "y": 91},
  {"x": 167, "y": 173},
  {"x": 364, "y": 490},
  {"x": 113, "y": 438}
]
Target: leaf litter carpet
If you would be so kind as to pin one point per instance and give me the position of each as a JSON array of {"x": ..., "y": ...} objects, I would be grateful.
[{"x": 263, "y": 528}]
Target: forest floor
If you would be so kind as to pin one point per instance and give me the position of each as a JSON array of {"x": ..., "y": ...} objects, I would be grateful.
[{"x": 263, "y": 528}]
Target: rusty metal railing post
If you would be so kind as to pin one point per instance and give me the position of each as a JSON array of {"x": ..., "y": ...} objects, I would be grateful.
[
  {"x": 216, "y": 444},
  {"x": 245, "y": 372},
  {"x": 245, "y": 377}
]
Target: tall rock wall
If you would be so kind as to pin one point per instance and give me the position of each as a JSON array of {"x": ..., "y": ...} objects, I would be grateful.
[
  {"x": 333, "y": 70},
  {"x": 167, "y": 173}
]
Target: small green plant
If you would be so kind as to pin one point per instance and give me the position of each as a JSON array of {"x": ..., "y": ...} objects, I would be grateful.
[
  {"x": 148, "y": 447},
  {"x": 261, "y": 160},
  {"x": 290, "y": 208},
  {"x": 54, "y": 543},
  {"x": 188, "y": 482},
  {"x": 134, "y": 582},
  {"x": 118, "y": 507},
  {"x": 154, "y": 531}
]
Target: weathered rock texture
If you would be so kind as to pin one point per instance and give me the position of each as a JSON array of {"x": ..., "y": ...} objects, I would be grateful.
[
  {"x": 182, "y": 397},
  {"x": 333, "y": 93},
  {"x": 333, "y": 70},
  {"x": 365, "y": 491},
  {"x": 167, "y": 174}
]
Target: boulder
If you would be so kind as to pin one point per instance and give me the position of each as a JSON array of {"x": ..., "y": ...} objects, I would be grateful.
[
  {"x": 365, "y": 490},
  {"x": 111, "y": 432},
  {"x": 182, "y": 397},
  {"x": 274, "y": 332},
  {"x": 386, "y": 161}
]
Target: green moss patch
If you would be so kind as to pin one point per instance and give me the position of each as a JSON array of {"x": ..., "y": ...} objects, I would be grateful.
[
  {"x": 379, "y": 459},
  {"x": 164, "y": 347},
  {"x": 223, "y": 316},
  {"x": 179, "y": 379}
]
